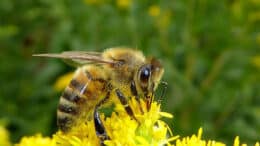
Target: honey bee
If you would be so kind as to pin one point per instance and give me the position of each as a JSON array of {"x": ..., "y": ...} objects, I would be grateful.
[{"x": 117, "y": 72}]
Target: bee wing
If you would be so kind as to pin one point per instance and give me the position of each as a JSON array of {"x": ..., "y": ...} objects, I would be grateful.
[
  {"x": 82, "y": 53},
  {"x": 79, "y": 57}
]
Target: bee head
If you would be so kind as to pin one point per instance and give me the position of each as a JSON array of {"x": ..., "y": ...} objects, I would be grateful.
[{"x": 149, "y": 75}]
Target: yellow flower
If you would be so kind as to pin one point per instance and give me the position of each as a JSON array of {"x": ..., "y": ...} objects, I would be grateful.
[
  {"x": 236, "y": 142},
  {"x": 123, "y": 4},
  {"x": 4, "y": 137},
  {"x": 83, "y": 135},
  {"x": 256, "y": 61},
  {"x": 63, "y": 81},
  {"x": 162, "y": 18},
  {"x": 154, "y": 11},
  {"x": 195, "y": 140},
  {"x": 36, "y": 140},
  {"x": 121, "y": 129}
]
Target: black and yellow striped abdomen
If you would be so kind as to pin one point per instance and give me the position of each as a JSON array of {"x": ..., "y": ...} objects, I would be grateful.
[{"x": 84, "y": 91}]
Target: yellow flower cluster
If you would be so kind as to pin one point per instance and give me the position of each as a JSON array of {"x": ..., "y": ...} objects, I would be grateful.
[
  {"x": 36, "y": 140},
  {"x": 4, "y": 137},
  {"x": 60, "y": 139},
  {"x": 195, "y": 140},
  {"x": 121, "y": 129},
  {"x": 124, "y": 131}
]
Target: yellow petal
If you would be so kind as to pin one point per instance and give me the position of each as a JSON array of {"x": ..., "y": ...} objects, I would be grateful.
[{"x": 63, "y": 81}]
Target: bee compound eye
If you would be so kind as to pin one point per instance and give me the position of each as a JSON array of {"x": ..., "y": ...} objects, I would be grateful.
[{"x": 145, "y": 73}]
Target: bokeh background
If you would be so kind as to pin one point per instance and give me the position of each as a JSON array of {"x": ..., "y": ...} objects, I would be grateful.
[{"x": 210, "y": 51}]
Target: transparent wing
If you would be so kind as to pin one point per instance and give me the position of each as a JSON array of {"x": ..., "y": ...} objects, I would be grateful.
[
  {"x": 82, "y": 53},
  {"x": 77, "y": 58}
]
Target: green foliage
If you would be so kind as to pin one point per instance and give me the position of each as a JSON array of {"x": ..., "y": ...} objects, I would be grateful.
[{"x": 207, "y": 48}]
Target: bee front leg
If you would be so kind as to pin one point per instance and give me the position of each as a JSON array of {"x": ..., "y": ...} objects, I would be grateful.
[
  {"x": 124, "y": 102},
  {"x": 99, "y": 127}
]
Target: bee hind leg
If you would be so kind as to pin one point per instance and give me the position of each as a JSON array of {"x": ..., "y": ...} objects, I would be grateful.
[{"x": 99, "y": 127}]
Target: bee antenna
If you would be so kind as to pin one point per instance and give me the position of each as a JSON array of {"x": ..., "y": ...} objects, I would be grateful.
[{"x": 165, "y": 85}]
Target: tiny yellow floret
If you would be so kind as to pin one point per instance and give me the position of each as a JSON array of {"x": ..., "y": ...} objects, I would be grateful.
[{"x": 236, "y": 141}]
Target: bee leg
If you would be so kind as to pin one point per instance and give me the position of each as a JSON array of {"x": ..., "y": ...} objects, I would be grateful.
[
  {"x": 124, "y": 102},
  {"x": 137, "y": 98},
  {"x": 99, "y": 127}
]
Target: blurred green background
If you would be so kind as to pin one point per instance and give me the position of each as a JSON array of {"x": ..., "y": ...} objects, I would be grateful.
[{"x": 210, "y": 51}]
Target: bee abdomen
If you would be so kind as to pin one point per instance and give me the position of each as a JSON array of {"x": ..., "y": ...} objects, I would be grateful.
[
  {"x": 72, "y": 96},
  {"x": 64, "y": 121},
  {"x": 75, "y": 84},
  {"x": 83, "y": 92},
  {"x": 69, "y": 109}
]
